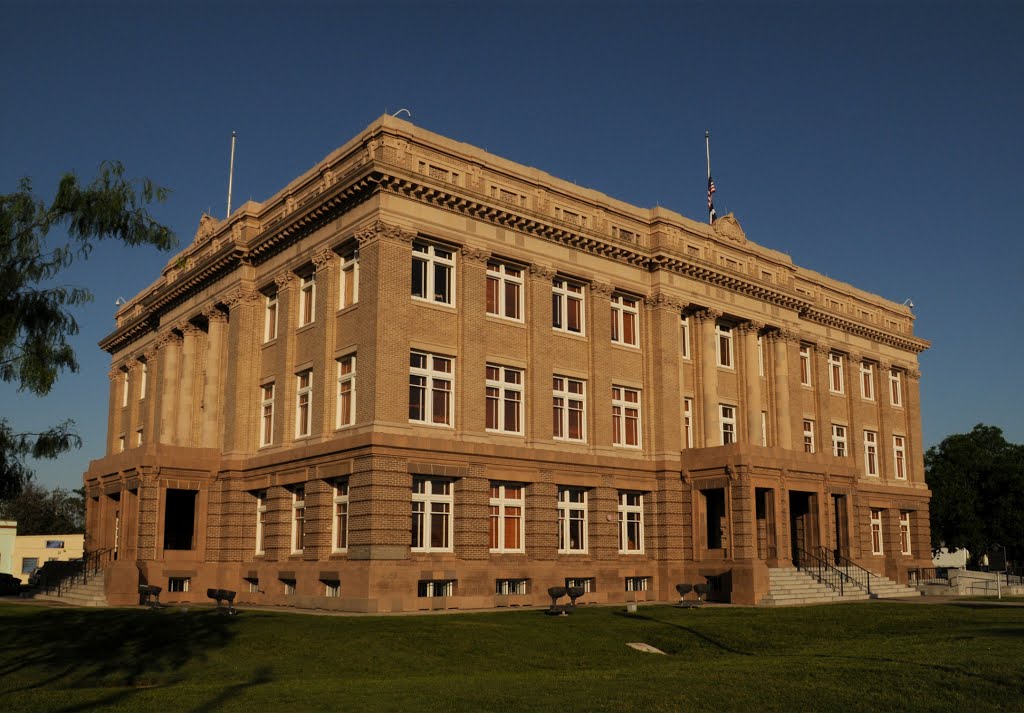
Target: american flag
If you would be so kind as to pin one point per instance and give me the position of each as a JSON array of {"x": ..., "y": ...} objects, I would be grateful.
[{"x": 711, "y": 202}]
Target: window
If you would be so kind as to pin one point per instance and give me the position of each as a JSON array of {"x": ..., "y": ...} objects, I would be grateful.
[
  {"x": 125, "y": 385},
  {"x": 432, "y": 267},
  {"x": 624, "y": 320},
  {"x": 895, "y": 388},
  {"x": 567, "y": 306},
  {"x": 760, "y": 356},
  {"x": 307, "y": 299},
  {"x": 724, "y": 345},
  {"x": 261, "y": 521},
  {"x": 179, "y": 584},
  {"x": 289, "y": 586},
  {"x": 506, "y": 517},
  {"x": 584, "y": 583},
  {"x": 29, "y": 565},
  {"x": 625, "y": 417},
  {"x": 143, "y": 380},
  {"x": 572, "y": 520},
  {"x": 431, "y": 514},
  {"x": 339, "y": 534},
  {"x": 805, "y": 365},
  {"x": 504, "y": 394},
  {"x": 270, "y": 318},
  {"x": 348, "y": 288},
  {"x": 435, "y": 588},
  {"x": 298, "y": 518},
  {"x": 138, "y": 436},
  {"x": 870, "y": 453},
  {"x": 346, "y": 415},
  {"x": 430, "y": 389},
  {"x": 905, "y": 533},
  {"x": 876, "y": 532},
  {"x": 899, "y": 456},
  {"x": 332, "y": 588},
  {"x": 120, "y": 443},
  {"x": 504, "y": 290},
  {"x": 835, "y": 373},
  {"x": 684, "y": 327},
  {"x": 267, "y": 415},
  {"x": 631, "y": 523},
  {"x": 637, "y": 584},
  {"x": 838, "y": 440},
  {"x": 808, "y": 436},
  {"x": 727, "y": 419},
  {"x": 254, "y": 585},
  {"x": 867, "y": 381},
  {"x": 511, "y": 586},
  {"x": 688, "y": 422},
  {"x": 303, "y": 403},
  {"x": 569, "y": 409}
]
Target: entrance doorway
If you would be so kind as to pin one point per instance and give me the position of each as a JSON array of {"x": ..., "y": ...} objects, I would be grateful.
[
  {"x": 842, "y": 533},
  {"x": 803, "y": 524},
  {"x": 715, "y": 519},
  {"x": 179, "y": 519},
  {"x": 764, "y": 505}
]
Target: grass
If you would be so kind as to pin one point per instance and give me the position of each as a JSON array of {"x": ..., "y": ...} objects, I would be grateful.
[{"x": 866, "y": 656}]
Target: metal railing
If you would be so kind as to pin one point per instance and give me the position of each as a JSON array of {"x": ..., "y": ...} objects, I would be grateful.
[
  {"x": 819, "y": 568},
  {"x": 64, "y": 575},
  {"x": 852, "y": 572}
]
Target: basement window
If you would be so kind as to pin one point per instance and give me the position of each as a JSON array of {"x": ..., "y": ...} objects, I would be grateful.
[{"x": 179, "y": 584}]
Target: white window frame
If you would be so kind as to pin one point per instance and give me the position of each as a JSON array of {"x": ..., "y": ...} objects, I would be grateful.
[
  {"x": 566, "y": 402},
  {"x": 688, "y": 421},
  {"x": 836, "y": 382},
  {"x": 304, "y": 403},
  {"x": 121, "y": 442},
  {"x": 298, "y": 518},
  {"x": 809, "y": 435},
  {"x": 563, "y": 294},
  {"x": 307, "y": 299},
  {"x": 684, "y": 328},
  {"x": 503, "y": 390},
  {"x": 806, "y": 371},
  {"x": 261, "y": 521},
  {"x": 504, "y": 277},
  {"x": 727, "y": 423},
  {"x": 867, "y": 381},
  {"x": 760, "y": 356},
  {"x": 839, "y": 449},
  {"x": 143, "y": 379},
  {"x": 138, "y": 436},
  {"x": 332, "y": 588},
  {"x": 899, "y": 456},
  {"x": 507, "y": 504},
  {"x": 339, "y": 518},
  {"x": 877, "y": 542},
  {"x": 631, "y": 517},
  {"x": 905, "y": 544},
  {"x": 871, "y": 453},
  {"x": 348, "y": 280},
  {"x": 626, "y": 411},
  {"x": 895, "y": 388},
  {"x": 511, "y": 586},
  {"x": 126, "y": 381},
  {"x": 270, "y": 317},
  {"x": 764, "y": 429},
  {"x": 625, "y": 320},
  {"x": 571, "y": 511},
  {"x": 435, "y": 260},
  {"x": 267, "y": 414},
  {"x": 345, "y": 414},
  {"x": 724, "y": 351},
  {"x": 436, "y": 387},
  {"x": 432, "y": 497},
  {"x": 638, "y": 584}
]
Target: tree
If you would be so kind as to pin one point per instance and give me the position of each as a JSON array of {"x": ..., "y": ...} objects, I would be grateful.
[
  {"x": 977, "y": 483},
  {"x": 36, "y": 315},
  {"x": 46, "y": 512}
]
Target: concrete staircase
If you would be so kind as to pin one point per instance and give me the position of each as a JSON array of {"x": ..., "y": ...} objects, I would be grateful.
[
  {"x": 90, "y": 594},
  {"x": 789, "y": 586}
]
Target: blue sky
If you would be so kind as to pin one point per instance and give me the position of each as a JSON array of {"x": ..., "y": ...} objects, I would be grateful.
[{"x": 878, "y": 143}]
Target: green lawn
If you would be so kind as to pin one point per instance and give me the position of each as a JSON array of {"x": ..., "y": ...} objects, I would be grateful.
[{"x": 868, "y": 656}]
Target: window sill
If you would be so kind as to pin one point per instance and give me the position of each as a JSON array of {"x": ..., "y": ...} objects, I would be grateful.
[
  {"x": 510, "y": 321},
  {"x": 345, "y": 310},
  {"x": 581, "y": 336},
  {"x": 443, "y": 306}
]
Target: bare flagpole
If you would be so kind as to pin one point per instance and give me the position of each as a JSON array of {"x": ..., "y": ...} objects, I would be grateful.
[{"x": 231, "y": 172}]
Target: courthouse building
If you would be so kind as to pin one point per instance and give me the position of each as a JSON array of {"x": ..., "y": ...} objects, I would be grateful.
[{"x": 425, "y": 376}]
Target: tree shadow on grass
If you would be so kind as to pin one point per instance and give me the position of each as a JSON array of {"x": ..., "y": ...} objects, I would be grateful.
[{"x": 71, "y": 648}]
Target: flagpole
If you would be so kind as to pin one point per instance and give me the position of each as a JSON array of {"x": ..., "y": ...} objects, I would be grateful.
[
  {"x": 231, "y": 171},
  {"x": 707, "y": 149}
]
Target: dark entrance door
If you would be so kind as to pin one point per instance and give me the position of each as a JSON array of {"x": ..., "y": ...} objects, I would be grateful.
[
  {"x": 764, "y": 503},
  {"x": 803, "y": 523},
  {"x": 842, "y": 526}
]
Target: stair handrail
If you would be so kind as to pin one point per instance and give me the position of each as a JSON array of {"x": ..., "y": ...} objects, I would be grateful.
[
  {"x": 88, "y": 567},
  {"x": 853, "y": 572},
  {"x": 820, "y": 569}
]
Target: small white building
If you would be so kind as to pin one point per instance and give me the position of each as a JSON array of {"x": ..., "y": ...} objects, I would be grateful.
[{"x": 21, "y": 555}]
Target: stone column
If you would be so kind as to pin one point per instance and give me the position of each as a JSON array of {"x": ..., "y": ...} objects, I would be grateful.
[
  {"x": 820, "y": 380},
  {"x": 170, "y": 363},
  {"x": 751, "y": 381},
  {"x": 186, "y": 397},
  {"x": 885, "y": 429},
  {"x": 209, "y": 434},
  {"x": 708, "y": 375},
  {"x": 780, "y": 341},
  {"x": 912, "y": 406}
]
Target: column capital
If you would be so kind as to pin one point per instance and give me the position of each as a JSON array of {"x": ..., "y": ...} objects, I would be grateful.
[
  {"x": 855, "y": 357},
  {"x": 213, "y": 314},
  {"x": 542, "y": 272},
  {"x": 913, "y": 374},
  {"x": 665, "y": 301},
  {"x": 884, "y": 365},
  {"x": 186, "y": 328},
  {"x": 166, "y": 338},
  {"x": 601, "y": 288},
  {"x": 781, "y": 334},
  {"x": 474, "y": 255},
  {"x": 707, "y": 315},
  {"x": 239, "y": 296},
  {"x": 115, "y": 373},
  {"x": 323, "y": 258},
  {"x": 381, "y": 230},
  {"x": 749, "y": 327}
]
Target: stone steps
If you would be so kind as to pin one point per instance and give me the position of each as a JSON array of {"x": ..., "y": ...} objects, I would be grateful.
[
  {"x": 90, "y": 594},
  {"x": 789, "y": 586}
]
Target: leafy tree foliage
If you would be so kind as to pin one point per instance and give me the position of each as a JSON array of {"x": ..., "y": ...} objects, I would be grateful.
[
  {"x": 977, "y": 483},
  {"x": 37, "y": 242},
  {"x": 46, "y": 512}
]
